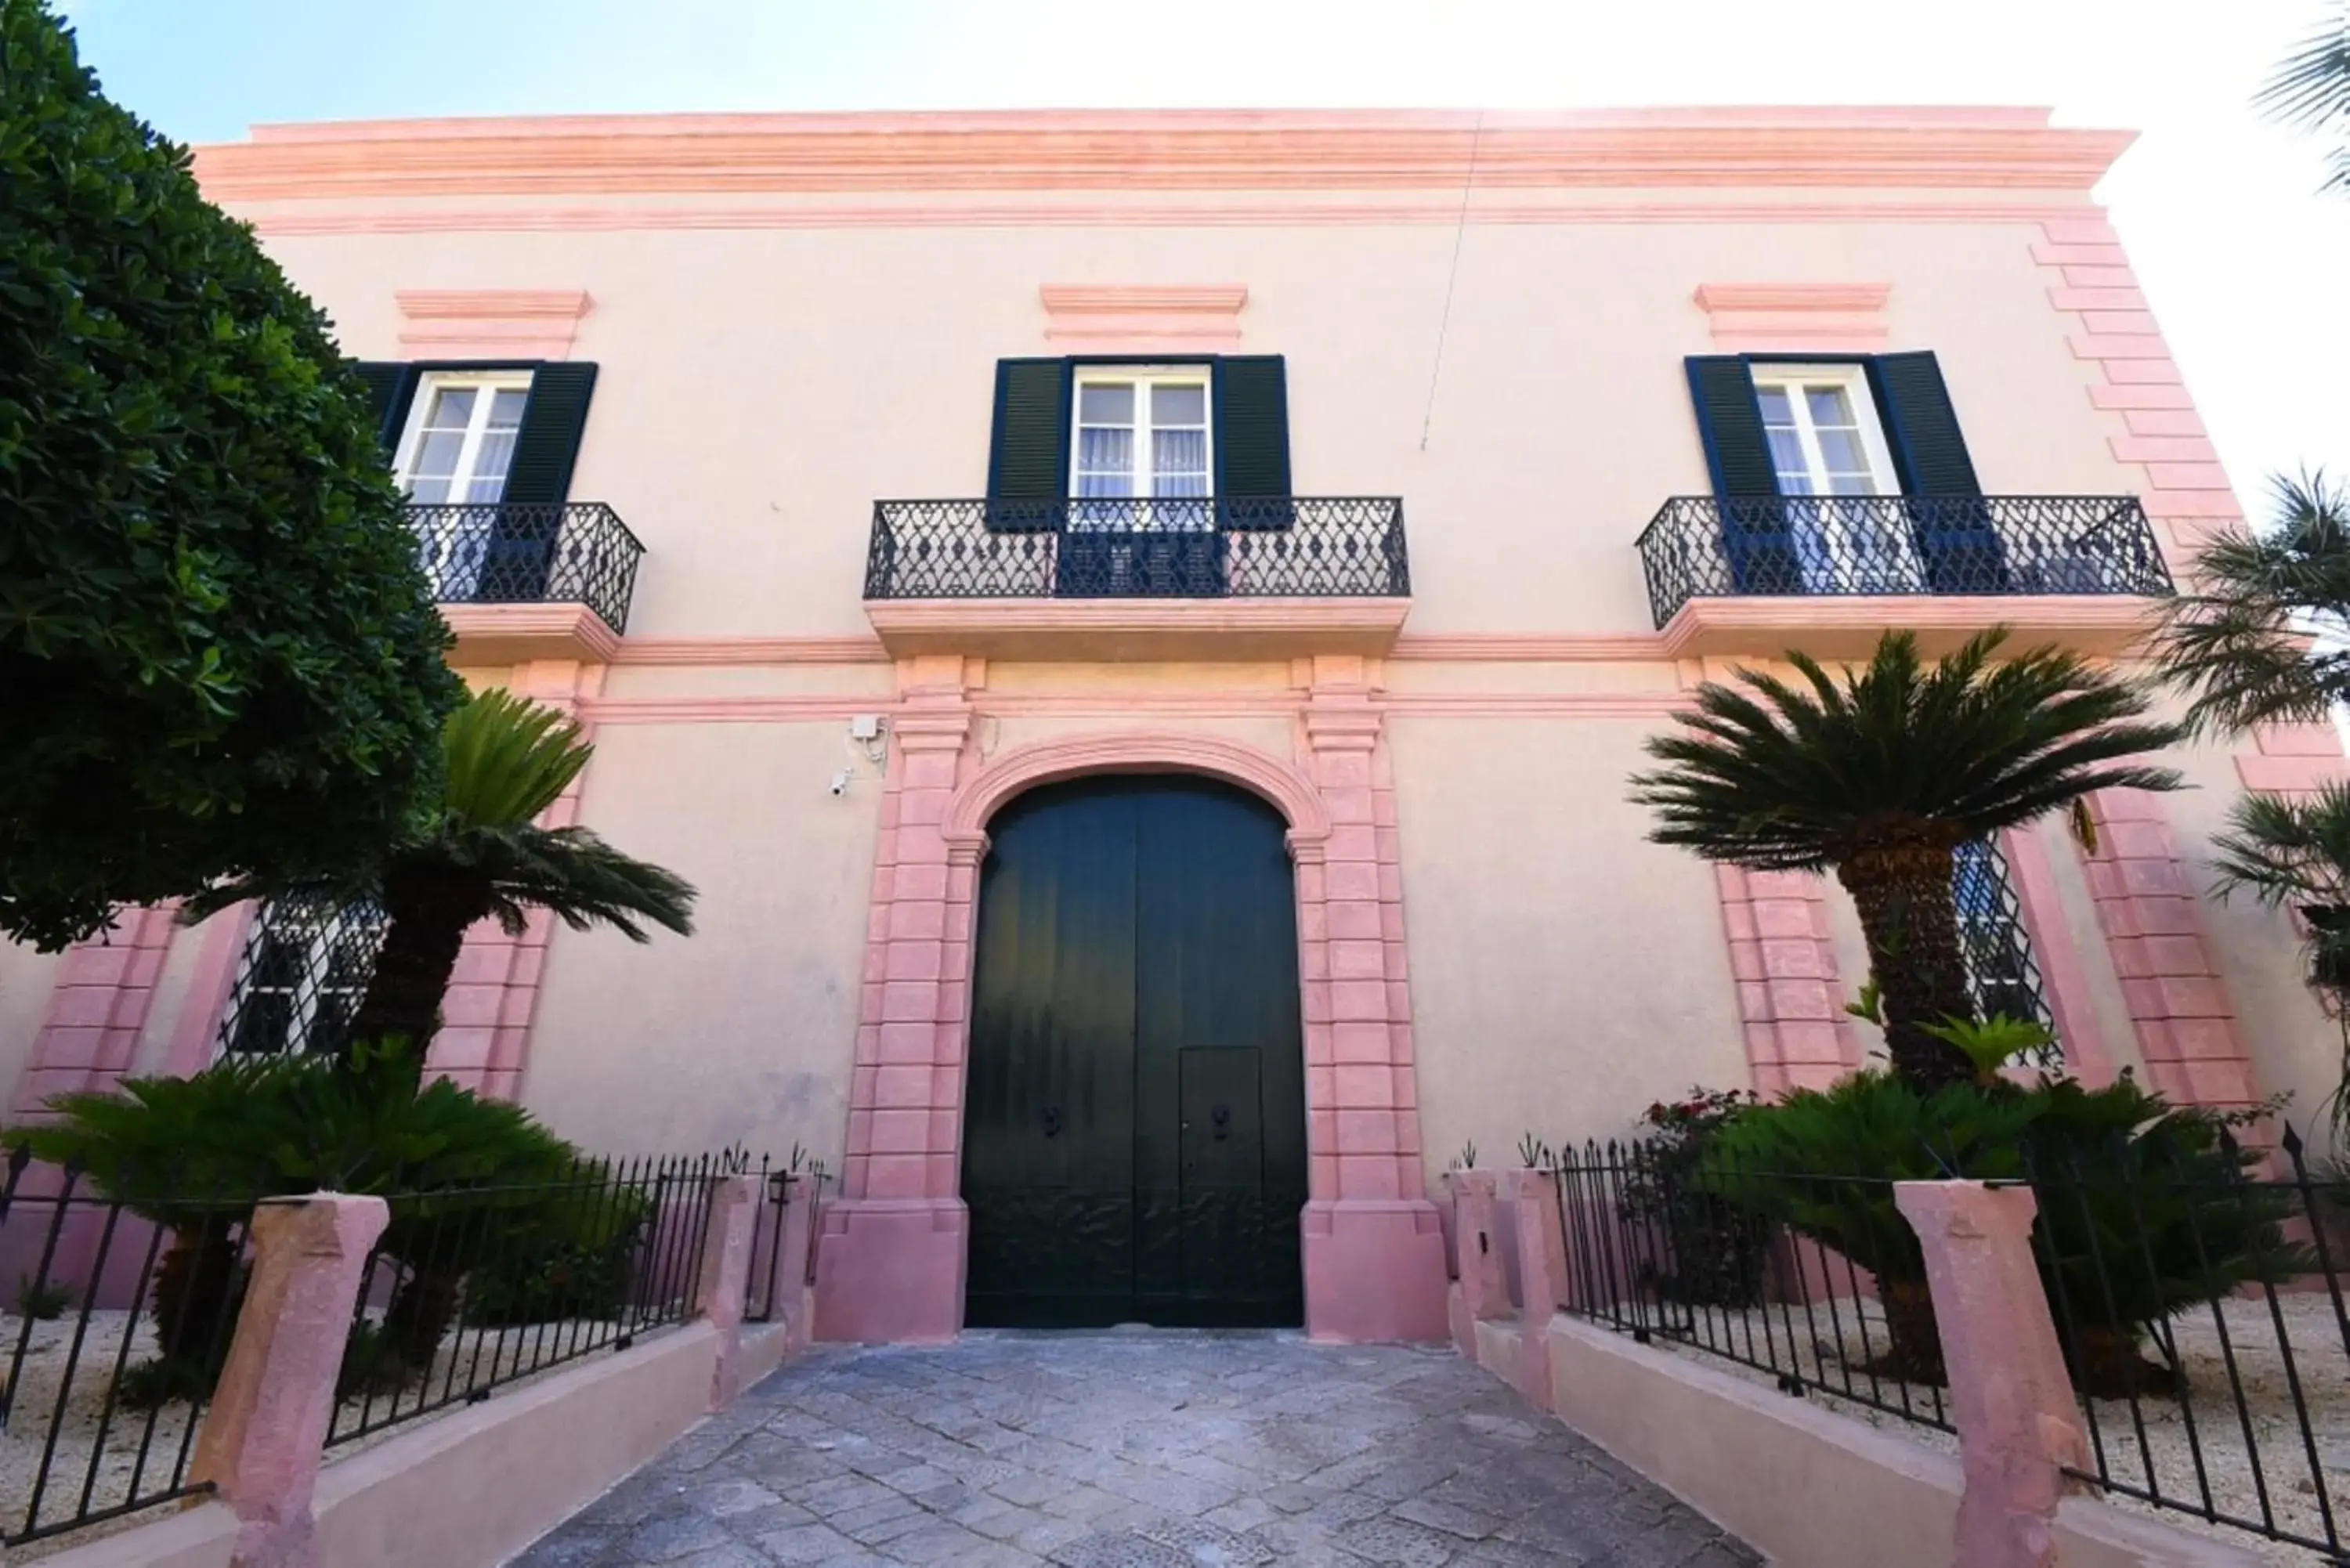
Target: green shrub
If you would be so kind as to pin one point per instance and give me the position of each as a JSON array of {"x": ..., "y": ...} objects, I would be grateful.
[
  {"x": 2145, "y": 1207},
  {"x": 573, "y": 1259},
  {"x": 219, "y": 652},
  {"x": 1715, "y": 1250},
  {"x": 195, "y": 1154}
]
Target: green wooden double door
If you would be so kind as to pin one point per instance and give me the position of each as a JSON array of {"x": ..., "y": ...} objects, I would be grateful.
[{"x": 1134, "y": 1140}]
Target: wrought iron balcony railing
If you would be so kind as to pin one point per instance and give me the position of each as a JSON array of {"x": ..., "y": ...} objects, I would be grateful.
[
  {"x": 506, "y": 552},
  {"x": 1208, "y": 548},
  {"x": 1703, "y": 546}
]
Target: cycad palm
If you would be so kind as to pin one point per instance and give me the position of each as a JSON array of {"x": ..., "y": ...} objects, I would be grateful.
[
  {"x": 1879, "y": 775},
  {"x": 481, "y": 853}
]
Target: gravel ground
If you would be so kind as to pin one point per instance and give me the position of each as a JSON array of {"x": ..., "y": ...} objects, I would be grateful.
[
  {"x": 2297, "y": 1490},
  {"x": 33, "y": 1404}
]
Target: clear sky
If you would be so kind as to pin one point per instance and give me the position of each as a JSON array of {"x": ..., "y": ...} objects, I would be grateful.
[{"x": 2244, "y": 260}]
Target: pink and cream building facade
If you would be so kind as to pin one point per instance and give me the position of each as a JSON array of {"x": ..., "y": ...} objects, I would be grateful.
[{"x": 912, "y": 505}]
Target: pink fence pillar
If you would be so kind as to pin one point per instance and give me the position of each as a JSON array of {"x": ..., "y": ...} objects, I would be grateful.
[
  {"x": 265, "y": 1434},
  {"x": 2009, "y": 1396},
  {"x": 1542, "y": 1276},
  {"x": 794, "y": 1263},
  {"x": 1481, "y": 1292},
  {"x": 725, "y": 1278}
]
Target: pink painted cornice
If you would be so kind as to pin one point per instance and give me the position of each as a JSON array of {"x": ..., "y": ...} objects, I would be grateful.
[
  {"x": 527, "y": 323},
  {"x": 1164, "y": 149},
  {"x": 1719, "y": 296},
  {"x": 1217, "y": 629},
  {"x": 1836, "y": 627}
]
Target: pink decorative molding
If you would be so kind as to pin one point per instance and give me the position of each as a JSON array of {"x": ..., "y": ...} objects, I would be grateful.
[
  {"x": 711, "y": 651},
  {"x": 2152, "y": 423},
  {"x": 1366, "y": 149},
  {"x": 1763, "y": 317},
  {"x": 1276, "y": 210},
  {"x": 890, "y": 1261},
  {"x": 518, "y": 633},
  {"x": 195, "y": 1034},
  {"x": 1141, "y": 319},
  {"x": 98, "y": 1012},
  {"x": 2064, "y": 977},
  {"x": 1783, "y": 955},
  {"x": 1850, "y": 627},
  {"x": 2292, "y": 758},
  {"x": 489, "y": 323},
  {"x": 1212, "y": 629},
  {"x": 2146, "y": 901}
]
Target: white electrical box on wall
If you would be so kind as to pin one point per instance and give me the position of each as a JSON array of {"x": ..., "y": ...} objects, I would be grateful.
[{"x": 865, "y": 727}]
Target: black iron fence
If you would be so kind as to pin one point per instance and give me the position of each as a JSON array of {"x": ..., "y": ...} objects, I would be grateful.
[
  {"x": 1657, "y": 1253},
  {"x": 114, "y": 1320},
  {"x": 2200, "y": 1312},
  {"x": 501, "y": 553},
  {"x": 1203, "y": 548},
  {"x": 2204, "y": 1322},
  {"x": 117, "y": 1319},
  {"x": 1699, "y": 546},
  {"x": 472, "y": 1288}
]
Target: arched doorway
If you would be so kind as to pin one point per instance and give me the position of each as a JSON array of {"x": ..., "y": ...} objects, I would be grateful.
[{"x": 1134, "y": 1139}]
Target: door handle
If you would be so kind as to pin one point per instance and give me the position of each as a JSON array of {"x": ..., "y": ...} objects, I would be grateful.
[{"x": 1051, "y": 1121}]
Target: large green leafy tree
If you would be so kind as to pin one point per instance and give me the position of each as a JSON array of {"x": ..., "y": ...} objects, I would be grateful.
[
  {"x": 481, "y": 853},
  {"x": 218, "y": 653},
  {"x": 1879, "y": 775}
]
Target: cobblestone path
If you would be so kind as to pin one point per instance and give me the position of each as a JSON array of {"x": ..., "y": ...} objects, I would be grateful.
[{"x": 1152, "y": 1449}]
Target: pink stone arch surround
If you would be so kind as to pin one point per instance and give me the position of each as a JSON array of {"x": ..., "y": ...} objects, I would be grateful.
[{"x": 891, "y": 1258}]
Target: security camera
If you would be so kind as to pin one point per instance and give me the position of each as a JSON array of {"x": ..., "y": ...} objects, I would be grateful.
[{"x": 841, "y": 782}]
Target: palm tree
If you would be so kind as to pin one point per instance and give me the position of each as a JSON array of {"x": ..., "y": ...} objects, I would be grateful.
[
  {"x": 1880, "y": 775},
  {"x": 480, "y": 853},
  {"x": 2289, "y": 850},
  {"x": 2265, "y": 638},
  {"x": 2311, "y": 88}
]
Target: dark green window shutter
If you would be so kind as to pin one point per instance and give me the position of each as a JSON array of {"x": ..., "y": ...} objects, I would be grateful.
[
  {"x": 391, "y": 386},
  {"x": 548, "y": 445},
  {"x": 1250, "y": 397},
  {"x": 1921, "y": 426},
  {"x": 1754, "y": 528},
  {"x": 1028, "y": 454},
  {"x": 528, "y": 527},
  {"x": 1957, "y": 545}
]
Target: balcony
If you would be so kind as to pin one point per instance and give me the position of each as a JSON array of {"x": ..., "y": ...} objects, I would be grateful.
[
  {"x": 1260, "y": 578},
  {"x": 519, "y": 580},
  {"x": 1829, "y": 574}
]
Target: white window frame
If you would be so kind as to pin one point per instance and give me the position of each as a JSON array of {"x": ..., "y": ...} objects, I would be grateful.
[
  {"x": 469, "y": 453},
  {"x": 1146, "y": 379},
  {"x": 1870, "y": 543},
  {"x": 455, "y": 547}
]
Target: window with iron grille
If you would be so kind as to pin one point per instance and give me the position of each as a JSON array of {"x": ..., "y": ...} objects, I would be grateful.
[
  {"x": 2001, "y": 974},
  {"x": 306, "y": 966}
]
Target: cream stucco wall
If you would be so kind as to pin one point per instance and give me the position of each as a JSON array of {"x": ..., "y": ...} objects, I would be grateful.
[
  {"x": 1564, "y": 973},
  {"x": 744, "y": 1031}
]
